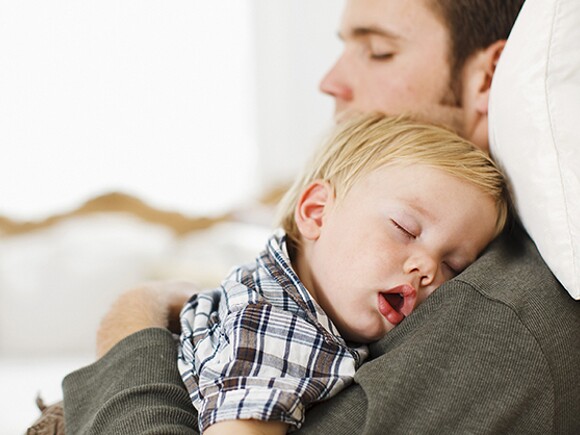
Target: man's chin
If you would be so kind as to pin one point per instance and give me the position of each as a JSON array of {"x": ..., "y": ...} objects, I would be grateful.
[
  {"x": 344, "y": 114},
  {"x": 449, "y": 117}
]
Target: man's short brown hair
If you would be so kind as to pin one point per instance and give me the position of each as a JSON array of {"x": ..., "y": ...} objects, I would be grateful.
[{"x": 474, "y": 25}]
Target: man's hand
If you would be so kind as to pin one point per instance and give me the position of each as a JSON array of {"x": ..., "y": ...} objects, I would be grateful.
[{"x": 152, "y": 305}]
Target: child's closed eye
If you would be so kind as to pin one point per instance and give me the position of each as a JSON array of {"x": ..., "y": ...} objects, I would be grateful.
[
  {"x": 453, "y": 271},
  {"x": 407, "y": 233}
]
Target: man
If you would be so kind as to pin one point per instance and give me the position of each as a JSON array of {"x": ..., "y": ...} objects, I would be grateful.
[
  {"x": 402, "y": 57},
  {"x": 493, "y": 351}
]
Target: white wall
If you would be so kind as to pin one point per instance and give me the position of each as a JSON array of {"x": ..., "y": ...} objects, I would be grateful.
[
  {"x": 189, "y": 105},
  {"x": 79, "y": 80},
  {"x": 154, "y": 98},
  {"x": 46, "y": 275},
  {"x": 296, "y": 44}
]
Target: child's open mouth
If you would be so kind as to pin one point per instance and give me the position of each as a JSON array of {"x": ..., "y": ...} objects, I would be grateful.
[
  {"x": 397, "y": 303},
  {"x": 395, "y": 300}
]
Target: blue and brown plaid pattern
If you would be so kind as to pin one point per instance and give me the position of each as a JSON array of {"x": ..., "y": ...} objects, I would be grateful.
[{"x": 259, "y": 347}]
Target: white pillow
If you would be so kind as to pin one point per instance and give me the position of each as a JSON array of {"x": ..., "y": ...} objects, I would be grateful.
[{"x": 534, "y": 118}]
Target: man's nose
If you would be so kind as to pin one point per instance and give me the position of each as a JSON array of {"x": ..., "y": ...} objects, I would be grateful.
[{"x": 334, "y": 83}]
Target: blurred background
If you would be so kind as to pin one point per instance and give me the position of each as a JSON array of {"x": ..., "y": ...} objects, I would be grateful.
[{"x": 140, "y": 140}]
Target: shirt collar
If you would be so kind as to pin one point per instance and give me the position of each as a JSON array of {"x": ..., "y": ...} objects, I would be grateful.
[{"x": 277, "y": 262}]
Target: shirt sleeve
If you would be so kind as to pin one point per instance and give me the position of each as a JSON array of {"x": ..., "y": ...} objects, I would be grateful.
[{"x": 272, "y": 366}]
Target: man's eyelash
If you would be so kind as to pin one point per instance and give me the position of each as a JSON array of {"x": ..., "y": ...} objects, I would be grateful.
[
  {"x": 403, "y": 230},
  {"x": 381, "y": 56}
]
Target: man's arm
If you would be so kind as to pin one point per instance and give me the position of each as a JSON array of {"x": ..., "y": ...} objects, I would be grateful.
[
  {"x": 154, "y": 305},
  {"x": 467, "y": 360},
  {"x": 425, "y": 377},
  {"x": 135, "y": 388}
]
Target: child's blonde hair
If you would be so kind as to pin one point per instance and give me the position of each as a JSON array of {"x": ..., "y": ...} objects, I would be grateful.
[{"x": 367, "y": 142}]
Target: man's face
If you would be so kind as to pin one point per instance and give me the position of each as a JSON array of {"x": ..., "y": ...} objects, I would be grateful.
[{"x": 395, "y": 60}]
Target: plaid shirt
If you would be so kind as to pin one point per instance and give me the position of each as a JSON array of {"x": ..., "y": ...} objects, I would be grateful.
[{"x": 259, "y": 347}]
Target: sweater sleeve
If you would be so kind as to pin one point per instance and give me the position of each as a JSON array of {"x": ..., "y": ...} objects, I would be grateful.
[
  {"x": 432, "y": 374},
  {"x": 461, "y": 364},
  {"x": 134, "y": 389}
]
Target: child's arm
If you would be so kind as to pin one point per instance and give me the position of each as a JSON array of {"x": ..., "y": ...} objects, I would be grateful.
[
  {"x": 150, "y": 306},
  {"x": 247, "y": 427}
]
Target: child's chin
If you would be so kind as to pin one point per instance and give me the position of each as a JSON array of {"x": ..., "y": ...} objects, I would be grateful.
[{"x": 366, "y": 337}]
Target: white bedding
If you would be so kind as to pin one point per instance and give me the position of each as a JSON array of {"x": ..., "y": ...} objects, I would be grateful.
[
  {"x": 57, "y": 283},
  {"x": 23, "y": 378}
]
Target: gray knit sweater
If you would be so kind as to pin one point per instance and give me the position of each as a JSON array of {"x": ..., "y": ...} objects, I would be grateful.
[{"x": 496, "y": 350}]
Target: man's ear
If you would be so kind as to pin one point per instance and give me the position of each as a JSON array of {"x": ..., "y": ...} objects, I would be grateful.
[
  {"x": 476, "y": 77},
  {"x": 311, "y": 207},
  {"x": 481, "y": 73}
]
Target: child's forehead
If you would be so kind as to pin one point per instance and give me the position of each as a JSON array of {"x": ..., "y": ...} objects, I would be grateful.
[
  {"x": 411, "y": 174},
  {"x": 400, "y": 165}
]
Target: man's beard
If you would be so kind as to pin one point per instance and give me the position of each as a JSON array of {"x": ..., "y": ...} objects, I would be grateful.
[{"x": 448, "y": 112}]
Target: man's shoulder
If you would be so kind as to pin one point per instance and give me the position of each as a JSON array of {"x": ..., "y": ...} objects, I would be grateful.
[
  {"x": 512, "y": 272},
  {"x": 508, "y": 287},
  {"x": 503, "y": 328},
  {"x": 511, "y": 285}
]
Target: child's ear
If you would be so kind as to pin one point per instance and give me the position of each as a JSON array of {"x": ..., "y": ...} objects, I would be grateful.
[{"x": 311, "y": 206}]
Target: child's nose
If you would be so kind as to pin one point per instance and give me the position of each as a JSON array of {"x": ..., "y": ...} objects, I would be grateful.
[{"x": 424, "y": 269}]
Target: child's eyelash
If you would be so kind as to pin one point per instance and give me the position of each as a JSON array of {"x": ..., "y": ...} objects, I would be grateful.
[
  {"x": 453, "y": 270},
  {"x": 403, "y": 230}
]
